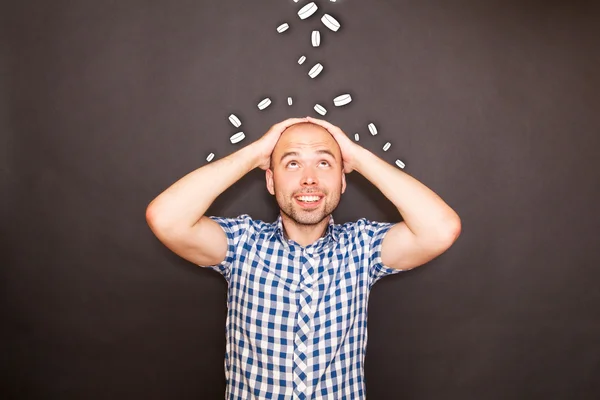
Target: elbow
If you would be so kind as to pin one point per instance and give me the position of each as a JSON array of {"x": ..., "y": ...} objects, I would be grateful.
[
  {"x": 150, "y": 214},
  {"x": 157, "y": 225},
  {"x": 447, "y": 229},
  {"x": 162, "y": 220},
  {"x": 452, "y": 230},
  {"x": 153, "y": 217}
]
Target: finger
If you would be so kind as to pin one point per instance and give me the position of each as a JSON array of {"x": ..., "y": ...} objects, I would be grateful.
[
  {"x": 291, "y": 121},
  {"x": 280, "y": 127},
  {"x": 329, "y": 126},
  {"x": 317, "y": 121},
  {"x": 321, "y": 122}
]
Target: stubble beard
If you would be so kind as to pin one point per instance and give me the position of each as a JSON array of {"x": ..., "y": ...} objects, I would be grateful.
[{"x": 307, "y": 217}]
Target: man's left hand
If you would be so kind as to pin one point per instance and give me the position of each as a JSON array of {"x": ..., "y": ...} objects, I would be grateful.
[{"x": 348, "y": 148}]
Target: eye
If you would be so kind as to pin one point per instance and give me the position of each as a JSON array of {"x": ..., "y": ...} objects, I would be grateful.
[{"x": 326, "y": 162}]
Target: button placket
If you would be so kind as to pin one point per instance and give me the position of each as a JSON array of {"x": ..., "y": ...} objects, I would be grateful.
[{"x": 305, "y": 328}]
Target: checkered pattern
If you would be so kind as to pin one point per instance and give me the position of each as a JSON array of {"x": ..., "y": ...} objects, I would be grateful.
[{"x": 297, "y": 316}]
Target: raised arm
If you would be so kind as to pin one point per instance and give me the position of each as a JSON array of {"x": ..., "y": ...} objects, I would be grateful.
[
  {"x": 176, "y": 216},
  {"x": 430, "y": 226}
]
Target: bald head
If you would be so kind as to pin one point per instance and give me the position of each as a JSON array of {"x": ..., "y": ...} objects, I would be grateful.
[{"x": 305, "y": 136}]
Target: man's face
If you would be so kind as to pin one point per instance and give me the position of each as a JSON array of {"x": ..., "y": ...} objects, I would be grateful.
[{"x": 306, "y": 161}]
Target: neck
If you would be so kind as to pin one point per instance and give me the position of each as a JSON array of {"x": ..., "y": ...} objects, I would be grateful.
[{"x": 304, "y": 234}]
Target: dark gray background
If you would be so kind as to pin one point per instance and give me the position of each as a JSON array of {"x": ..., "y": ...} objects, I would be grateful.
[{"x": 494, "y": 105}]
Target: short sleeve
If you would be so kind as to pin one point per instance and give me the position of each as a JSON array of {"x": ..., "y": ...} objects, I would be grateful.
[
  {"x": 374, "y": 233},
  {"x": 235, "y": 229}
]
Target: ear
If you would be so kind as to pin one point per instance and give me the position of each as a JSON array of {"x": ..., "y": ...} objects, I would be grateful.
[
  {"x": 343, "y": 182},
  {"x": 269, "y": 179}
]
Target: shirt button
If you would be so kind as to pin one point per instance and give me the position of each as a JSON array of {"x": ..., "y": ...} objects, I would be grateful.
[{"x": 309, "y": 251}]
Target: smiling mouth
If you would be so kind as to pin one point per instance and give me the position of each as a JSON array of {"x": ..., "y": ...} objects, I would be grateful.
[{"x": 309, "y": 203}]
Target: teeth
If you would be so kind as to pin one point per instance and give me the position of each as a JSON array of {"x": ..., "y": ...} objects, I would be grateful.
[{"x": 309, "y": 198}]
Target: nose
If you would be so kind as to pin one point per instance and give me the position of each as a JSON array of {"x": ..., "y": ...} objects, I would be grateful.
[{"x": 309, "y": 177}]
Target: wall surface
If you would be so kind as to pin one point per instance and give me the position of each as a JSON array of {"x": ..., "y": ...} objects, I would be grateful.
[{"x": 494, "y": 105}]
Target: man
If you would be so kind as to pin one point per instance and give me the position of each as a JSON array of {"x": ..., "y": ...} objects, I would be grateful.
[{"x": 298, "y": 287}]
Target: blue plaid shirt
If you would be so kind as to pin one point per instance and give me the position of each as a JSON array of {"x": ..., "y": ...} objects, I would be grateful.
[{"x": 297, "y": 316}]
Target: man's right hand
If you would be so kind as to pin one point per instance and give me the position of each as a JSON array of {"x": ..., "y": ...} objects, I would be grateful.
[
  {"x": 267, "y": 142},
  {"x": 177, "y": 217}
]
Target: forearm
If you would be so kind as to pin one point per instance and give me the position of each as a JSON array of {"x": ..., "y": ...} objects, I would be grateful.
[
  {"x": 186, "y": 201},
  {"x": 423, "y": 211}
]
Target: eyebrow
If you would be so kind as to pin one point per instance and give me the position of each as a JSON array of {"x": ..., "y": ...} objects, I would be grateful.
[{"x": 296, "y": 154}]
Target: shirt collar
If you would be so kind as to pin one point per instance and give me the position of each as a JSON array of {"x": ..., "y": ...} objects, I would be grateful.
[{"x": 330, "y": 231}]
